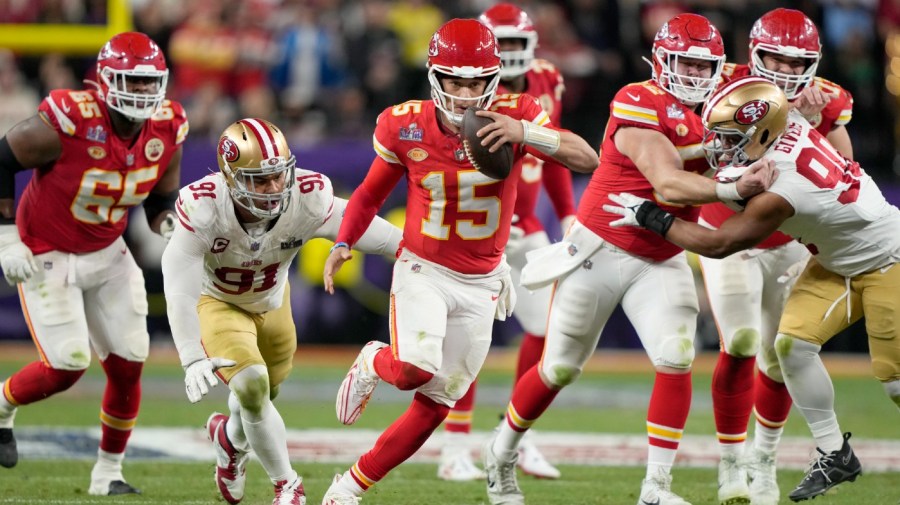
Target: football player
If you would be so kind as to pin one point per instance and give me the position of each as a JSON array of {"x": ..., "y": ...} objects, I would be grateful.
[
  {"x": 225, "y": 274},
  {"x": 98, "y": 153},
  {"x": 451, "y": 280},
  {"x": 520, "y": 73},
  {"x": 828, "y": 203},
  {"x": 747, "y": 290},
  {"x": 652, "y": 145}
]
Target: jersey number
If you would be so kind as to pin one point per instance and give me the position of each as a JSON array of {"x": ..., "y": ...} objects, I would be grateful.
[
  {"x": 827, "y": 169},
  {"x": 434, "y": 226},
  {"x": 96, "y": 202},
  {"x": 236, "y": 281}
]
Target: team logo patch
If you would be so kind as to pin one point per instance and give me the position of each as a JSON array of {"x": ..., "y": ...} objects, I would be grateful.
[
  {"x": 417, "y": 154},
  {"x": 219, "y": 245},
  {"x": 416, "y": 268},
  {"x": 751, "y": 112},
  {"x": 459, "y": 154},
  {"x": 96, "y": 152},
  {"x": 673, "y": 111},
  {"x": 154, "y": 149},
  {"x": 228, "y": 150},
  {"x": 572, "y": 250},
  {"x": 96, "y": 134},
  {"x": 681, "y": 130},
  {"x": 129, "y": 159},
  {"x": 411, "y": 132}
]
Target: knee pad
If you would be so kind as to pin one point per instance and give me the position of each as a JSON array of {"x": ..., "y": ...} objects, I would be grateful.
[
  {"x": 892, "y": 389},
  {"x": 73, "y": 355},
  {"x": 744, "y": 343},
  {"x": 676, "y": 351},
  {"x": 791, "y": 349},
  {"x": 411, "y": 377},
  {"x": 560, "y": 375},
  {"x": 251, "y": 387},
  {"x": 767, "y": 361}
]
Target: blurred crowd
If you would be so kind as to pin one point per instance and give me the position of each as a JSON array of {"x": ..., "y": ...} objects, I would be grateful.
[{"x": 326, "y": 68}]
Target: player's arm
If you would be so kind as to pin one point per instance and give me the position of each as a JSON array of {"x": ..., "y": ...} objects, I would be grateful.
[
  {"x": 32, "y": 143},
  {"x": 658, "y": 160},
  {"x": 381, "y": 237},
  {"x": 159, "y": 207},
  {"x": 840, "y": 139}
]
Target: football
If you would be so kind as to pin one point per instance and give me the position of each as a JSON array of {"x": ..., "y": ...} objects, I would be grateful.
[{"x": 496, "y": 165}]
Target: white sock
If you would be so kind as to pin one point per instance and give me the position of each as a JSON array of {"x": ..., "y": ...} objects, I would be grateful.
[
  {"x": 731, "y": 450},
  {"x": 7, "y": 410},
  {"x": 109, "y": 465},
  {"x": 234, "y": 428},
  {"x": 348, "y": 485},
  {"x": 765, "y": 438},
  {"x": 827, "y": 434},
  {"x": 659, "y": 460},
  {"x": 506, "y": 444},
  {"x": 268, "y": 438}
]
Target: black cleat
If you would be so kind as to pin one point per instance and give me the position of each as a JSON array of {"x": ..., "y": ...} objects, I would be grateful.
[
  {"x": 827, "y": 471},
  {"x": 118, "y": 487},
  {"x": 9, "y": 454}
]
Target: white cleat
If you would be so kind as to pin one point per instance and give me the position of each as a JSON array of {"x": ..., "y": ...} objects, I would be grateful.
[
  {"x": 763, "y": 484},
  {"x": 231, "y": 464},
  {"x": 656, "y": 490},
  {"x": 456, "y": 465},
  {"x": 358, "y": 385},
  {"x": 502, "y": 486},
  {"x": 334, "y": 496},
  {"x": 532, "y": 462},
  {"x": 289, "y": 493},
  {"x": 733, "y": 489}
]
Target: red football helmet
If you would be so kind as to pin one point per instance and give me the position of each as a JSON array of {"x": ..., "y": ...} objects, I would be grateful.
[
  {"x": 467, "y": 49},
  {"x": 789, "y": 33},
  {"x": 687, "y": 36},
  {"x": 508, "y": 21},
  {"x": 127, "y": 60}
]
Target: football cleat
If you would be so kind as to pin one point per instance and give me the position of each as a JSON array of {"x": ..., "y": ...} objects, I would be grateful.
[
  {"x": 358, "y": 385},
  {"x": 827, "y": 471},
  {"x": 456, "y": 465},
  {"x": 532, "y": 462},
  {"x": 656, "y": 490},
  {"x": 502, "y": 486},
  {"x": 9, "y": 454},
  {"x": 334, "y": 496},
  {"x": 105, "y": 486},
  {"x": 733, "y": 488},
  {"x": 231, "y": 464},
  {"x": 289, "y": 493},
  {"x": 763, "y": 484}
]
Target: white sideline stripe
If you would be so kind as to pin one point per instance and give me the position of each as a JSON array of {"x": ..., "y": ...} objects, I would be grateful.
[{"x": 346, "y": 445}]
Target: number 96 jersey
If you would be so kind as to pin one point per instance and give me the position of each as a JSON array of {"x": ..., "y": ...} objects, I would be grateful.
[{"x": 250, "y": 271}]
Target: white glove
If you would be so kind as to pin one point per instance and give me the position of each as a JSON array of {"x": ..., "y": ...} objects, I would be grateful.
[
  {"x": 167, "y": 226},
  {"x": 627, "y": 207},
  {"x": 506, "y": 300},
  {"x": 199, "y": 376},
  {"x": 16, "y": 258}
]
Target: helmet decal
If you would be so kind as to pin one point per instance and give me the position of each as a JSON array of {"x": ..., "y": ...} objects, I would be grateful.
[{"x": 751, "y": 112}]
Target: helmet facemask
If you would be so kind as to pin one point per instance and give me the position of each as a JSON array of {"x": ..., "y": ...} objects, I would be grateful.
[
  {"x": 243, "y": 183},
  {"x": 134, "y": 106},
  {"x": 791, "y": 84},
  {"x": 447, "y": 102},
  {"x": 689, "y": 89},
  {"x": 516, "y": 62}
]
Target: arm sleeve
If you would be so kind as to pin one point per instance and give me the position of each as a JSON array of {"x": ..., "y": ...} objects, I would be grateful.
[
  {"x": 182, "y": 267},
  {"x": 557, "y": 181},
  {"x": 381, "y": 237},
  {"x": 367, "y": 199}
]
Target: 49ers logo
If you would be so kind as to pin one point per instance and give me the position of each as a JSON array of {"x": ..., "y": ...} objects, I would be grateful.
[
  {"x": 228, "y": 150},
  {"x": 751, "y": 112}
]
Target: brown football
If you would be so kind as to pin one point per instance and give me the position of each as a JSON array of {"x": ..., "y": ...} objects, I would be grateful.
[{"x": 496, "y": 165}]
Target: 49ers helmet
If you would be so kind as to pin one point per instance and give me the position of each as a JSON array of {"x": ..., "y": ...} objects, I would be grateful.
[
  {"x": 742, "y": 120},
  {"x": 467, "y": 49},
  {"x": 251, "y": 153},
  {"x": 132, "y": 56},
  {"x": 687, "y": 36},
  {"x": 508, "y": 21},
  {"x": 789, "y": 33}
]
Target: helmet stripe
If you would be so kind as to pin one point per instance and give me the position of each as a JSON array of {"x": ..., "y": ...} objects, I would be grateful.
[{"x": 263, "y": 135}]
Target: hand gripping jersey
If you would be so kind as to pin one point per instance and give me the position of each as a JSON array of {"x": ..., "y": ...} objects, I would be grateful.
[
  {"x": 641, "y": 105},
  {"x": 837, "y": 112},
  {"x": 840, "y": 214},
  {"x": 81, "y": 203},
  {"x": 455, "y": 216},
  {"x": 246, "y": 271},
  {"x": 544, "y": 82}
]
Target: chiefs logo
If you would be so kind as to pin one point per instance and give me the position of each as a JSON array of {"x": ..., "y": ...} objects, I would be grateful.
[
  {"x": 154, "y": 149},
  {"x": 228, "y": 150},
  {"x": 751, "y": 112}
]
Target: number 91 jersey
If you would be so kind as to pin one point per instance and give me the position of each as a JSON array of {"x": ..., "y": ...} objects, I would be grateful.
[{"x": 243, "y": 270}]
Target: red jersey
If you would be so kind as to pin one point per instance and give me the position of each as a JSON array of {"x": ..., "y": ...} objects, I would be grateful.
[
  {"x": 80, "y": 203},
  {"x": 837, "y": 112},
  {"x": 543, "y": 81},
  {"x": 455, "y": 216},
  {"x": 641, "y": 105}
]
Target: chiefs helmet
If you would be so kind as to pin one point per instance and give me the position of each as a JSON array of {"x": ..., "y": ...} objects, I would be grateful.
[
  {"x": 127, "y": 59},
  {"x": 742, "y": 120},
  {"x": 253, "y": 153},
  {"x": 467, "y": 49},
  {"x": 687, "y": 36},
  {"x": 508, "y": 21},
  {"x": 789, "y": 33}
]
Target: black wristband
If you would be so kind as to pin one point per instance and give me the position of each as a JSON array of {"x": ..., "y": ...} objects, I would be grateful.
[
  {"x": 650, "y": 216},
  {"x": 155, "y": 204}
]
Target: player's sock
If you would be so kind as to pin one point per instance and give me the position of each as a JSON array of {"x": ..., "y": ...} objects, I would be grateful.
[
  {"x": 121, "y": 402},
  {"x": 109, "y": 463},
  {"x": 772, "y": 404},
  {"x": 234, "y": 428},
  {"x": 7, "y": 408},
  {"x": 530, "y": 398},
  {"x": 267, "y": 436},
  {"x": 530, "y": 352},
  {"x": 36, "y": 381},
  {"x": 732, "y": 398},
  {"x": 459, "y": 420},
  {"x": 667, "y": 414},
  {"x": 402, "y": 375},
  {"x": 400, "y": 440}
]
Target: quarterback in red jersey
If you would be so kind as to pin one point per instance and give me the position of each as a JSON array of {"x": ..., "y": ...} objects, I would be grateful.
[
  {"x": 747, "y": 291},
  {"x": 520, "y": 73},
  {"x": 96, "y": 154},
  {"x": 652, "y": 145},
  {"x": 450, "y": 280}
]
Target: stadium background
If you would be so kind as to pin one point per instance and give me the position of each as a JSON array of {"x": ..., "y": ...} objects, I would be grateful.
[{"x": 324, "y": 69}]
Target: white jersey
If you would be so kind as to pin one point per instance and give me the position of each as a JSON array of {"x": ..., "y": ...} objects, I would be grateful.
[{"x": 839, "y": 212}]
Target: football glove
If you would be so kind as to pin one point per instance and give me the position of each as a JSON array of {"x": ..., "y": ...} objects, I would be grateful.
[
  {"x": 637, "y": 211},
  {"x": 506, "y": 300},
  {"x": 167, "y": 226},
  {"x": 16, "y": 258},
  {"x": 199, "y": 376}
]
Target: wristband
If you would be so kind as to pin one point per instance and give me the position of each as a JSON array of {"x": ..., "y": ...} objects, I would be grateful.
[
  {"x": 545, "y": 140},
  {"x": 727, "y": 191},
  {"x": 337, "y": 245},
  {"x": 650, "y": 216}
]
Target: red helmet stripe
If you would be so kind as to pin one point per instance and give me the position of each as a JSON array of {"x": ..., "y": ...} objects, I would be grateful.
[{"x": 263, "y": 135}]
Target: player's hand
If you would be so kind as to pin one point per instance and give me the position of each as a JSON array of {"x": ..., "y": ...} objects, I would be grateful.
[
  {"x": 167, "y": 226},
  {"x": 504, "y": 129},
  {"x": 627, "y": 206},
  {"x": 337, "y": 258},
  {"x": 199, "y": 376},
  {"x": 758, "y": 177},
  {"x": 16, "y": 258},
  {"x": 812, "y": 101},
  {"x": 506, "y": 300}
]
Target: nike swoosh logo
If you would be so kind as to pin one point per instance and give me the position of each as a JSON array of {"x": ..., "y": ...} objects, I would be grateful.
[
  {"x": 645, "y": 502},
  {"x": 494, "y": 298},
  {"x": 637, "y": 98},
  {"x": 65, "y": 106}
]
